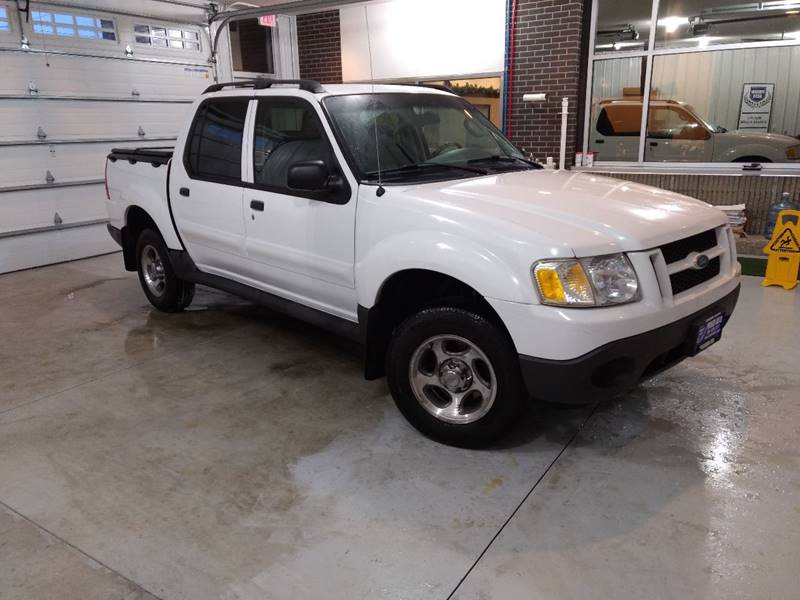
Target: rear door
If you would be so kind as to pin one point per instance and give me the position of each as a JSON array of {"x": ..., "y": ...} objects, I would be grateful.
[
  {"x": 300, "y": 245},
  {"x": 616, "y": 132},
  {"x": 206, "y": 186}
]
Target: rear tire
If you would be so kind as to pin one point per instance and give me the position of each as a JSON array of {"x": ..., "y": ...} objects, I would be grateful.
[
  {"x": 455, "y": 376},
  {"x": 163, "y": 288}
]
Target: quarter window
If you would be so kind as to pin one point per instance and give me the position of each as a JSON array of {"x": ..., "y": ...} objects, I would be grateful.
[
  {"x": 287, "y": 131},
  {"x": 167, "y": 37},
  {"x": 214, "y": 150},
  {"x": 82, "y": 26},
  {"x": 5, "y": 26}
]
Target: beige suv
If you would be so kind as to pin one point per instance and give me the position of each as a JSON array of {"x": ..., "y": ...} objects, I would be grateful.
[{"x": 676, "y": 133}]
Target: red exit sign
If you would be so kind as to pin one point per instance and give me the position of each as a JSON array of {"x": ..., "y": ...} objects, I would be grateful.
[{"x": 268, "y": 20}]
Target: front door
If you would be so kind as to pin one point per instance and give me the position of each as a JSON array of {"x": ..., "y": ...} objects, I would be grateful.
[
  {"x": 300, "y": 245},
  {"x": 675, "y": 135},
  {"x": 205, "y": 187}
]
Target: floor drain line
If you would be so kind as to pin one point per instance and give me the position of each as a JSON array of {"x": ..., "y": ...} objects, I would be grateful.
[{"x": 524, "y": 499}]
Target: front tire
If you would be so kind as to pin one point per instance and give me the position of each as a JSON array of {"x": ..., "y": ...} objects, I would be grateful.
[
  {"x": 455, "y": 376},
  {"x": 163, "y": 288}
]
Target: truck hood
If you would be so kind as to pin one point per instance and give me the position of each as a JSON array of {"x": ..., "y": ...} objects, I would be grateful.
[
  {"x": 571, "y": 213},
  {"x": 764, "y": 138}
]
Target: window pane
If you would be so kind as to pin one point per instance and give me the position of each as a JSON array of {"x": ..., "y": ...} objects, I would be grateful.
[
  {"x": 175, "y": 33},
  {"x": 3, "y": 13},
  {"x": 142, "y": 39},
  {"x": 160, "y": 42},
  {"x": 41, "y": 16},
  {"x": 726, "y": 106},
  {"x": 87, "y": 33},
  {"x": 65, "y": 31},
  {"x": 215, "y": 148},
  {"x": 141, "y": 29},
  {"x": 700, "y": 23},
  {"x": 4, "y": 26},
  {"x": 623, "y": 25},
  {"x": 616, "y": 117},
  {"x": 286, "y": 131},
  {"x": 191, "y": 45},
  {"x": 106, "y": 24},
  {"x": 66, "y": 19},
  {"x": 84, "y": 21},
  {"x": 109, "y": 35},
  {"x": 175, "y": 44},
  {"x": 190, "y": 35},
  {"x": 160, "y": 31},
  {"x": 252, "y": 47},
  {"x": 44, "y": 29}
]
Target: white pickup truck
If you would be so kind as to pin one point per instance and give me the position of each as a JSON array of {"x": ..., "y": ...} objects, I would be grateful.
[{"x": 399, "y": 216}]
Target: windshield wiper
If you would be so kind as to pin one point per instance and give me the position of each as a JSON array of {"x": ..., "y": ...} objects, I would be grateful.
[
  {"x": 505, "y": 159},
  {"x": 420, "y": 166}
]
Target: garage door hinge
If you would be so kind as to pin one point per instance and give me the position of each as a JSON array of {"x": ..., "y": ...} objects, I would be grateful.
[
  {"x": 135, "y": 92},
  {"x": 24, "y": 44},
  {"x": 49, "y": 177},
  {"x": 32, "y": 89},
  {"x": 41, "y": 133},
  {"x": 141, "y": 131},
  {"x": 128, "y": 51},
  {"x": 57, "y": 220}
]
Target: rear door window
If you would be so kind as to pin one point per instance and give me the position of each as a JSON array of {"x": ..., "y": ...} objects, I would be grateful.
[
  {"x": 620, "y": 120},
  {"x": 214, "y": 148}
]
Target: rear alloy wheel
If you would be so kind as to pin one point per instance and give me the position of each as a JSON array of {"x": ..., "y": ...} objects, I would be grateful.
[
  {"x": 455, "y": 376},
  {"x": 161, "y": 285}
]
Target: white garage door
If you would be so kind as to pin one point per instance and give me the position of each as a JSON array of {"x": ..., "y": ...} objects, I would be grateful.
[{"x": 76, "y": 82}]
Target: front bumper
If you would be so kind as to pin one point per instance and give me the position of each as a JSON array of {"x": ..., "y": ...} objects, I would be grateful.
[{"x": 617, "y": 366}]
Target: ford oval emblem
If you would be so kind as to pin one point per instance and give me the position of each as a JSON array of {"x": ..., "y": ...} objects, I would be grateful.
[{"x": 701, "y": 262}]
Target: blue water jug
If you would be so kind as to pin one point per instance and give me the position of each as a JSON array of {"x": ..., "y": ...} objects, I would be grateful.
[{"x": 782, "y": 203}]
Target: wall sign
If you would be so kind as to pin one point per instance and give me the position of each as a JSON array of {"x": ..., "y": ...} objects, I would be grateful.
[{"x": 756, "y": 110}]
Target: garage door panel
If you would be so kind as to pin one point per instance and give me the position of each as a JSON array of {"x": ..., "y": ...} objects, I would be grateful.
[
  {"x": 34, "y": 209},
  {"x": 26, "y": 165},
  {"x": 77, "y": 120},
  {"x": 32, "y": 250},
  {"x": 84, "y": 76}
]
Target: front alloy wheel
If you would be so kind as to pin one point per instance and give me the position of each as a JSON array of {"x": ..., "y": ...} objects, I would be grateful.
[
  {"x": 453, "y": 379},
  {"x": 455, "y": 376}
]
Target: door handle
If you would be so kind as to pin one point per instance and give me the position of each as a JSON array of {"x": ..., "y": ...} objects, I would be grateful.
[
  {"x": 257, "y": 205},
  {"x": 599, "y": 141},
  {"x": 653, "y": 144},
  {"x": 184, "y": 192}
]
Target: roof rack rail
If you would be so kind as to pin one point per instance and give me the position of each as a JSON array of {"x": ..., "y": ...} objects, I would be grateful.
[{"x": 262, "y": 83}]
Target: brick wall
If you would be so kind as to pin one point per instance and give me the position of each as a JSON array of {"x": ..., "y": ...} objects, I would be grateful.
[
  {"x": 319, "y": 46},
  {"x": 548, "y": 58}
]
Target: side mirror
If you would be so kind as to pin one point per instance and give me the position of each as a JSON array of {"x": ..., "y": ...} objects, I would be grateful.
[{"x": 308, "y": 176}]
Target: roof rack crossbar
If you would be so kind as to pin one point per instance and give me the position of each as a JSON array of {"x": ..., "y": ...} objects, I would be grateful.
[{"x": 262, "y": 83}]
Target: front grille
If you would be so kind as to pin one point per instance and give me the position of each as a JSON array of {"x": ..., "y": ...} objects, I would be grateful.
[
  {"x": 684, "y": 280},
  {"x": 679, "y": 250}
]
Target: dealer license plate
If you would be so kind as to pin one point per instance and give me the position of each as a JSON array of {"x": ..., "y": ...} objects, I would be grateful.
[{"x": 706, "y": 332}]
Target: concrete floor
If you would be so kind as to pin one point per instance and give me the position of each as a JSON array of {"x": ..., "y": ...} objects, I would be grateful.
[{"x": 229, "y": 452}]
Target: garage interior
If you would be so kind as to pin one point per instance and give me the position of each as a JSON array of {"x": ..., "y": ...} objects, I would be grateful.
[{"x": 233, "y": 452}]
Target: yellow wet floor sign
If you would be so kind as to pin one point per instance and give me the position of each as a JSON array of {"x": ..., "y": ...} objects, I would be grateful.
[{"x": 784, "y": 251}]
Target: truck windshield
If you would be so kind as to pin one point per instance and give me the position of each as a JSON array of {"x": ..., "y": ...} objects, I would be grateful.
[{"x": 420, "y": 137}]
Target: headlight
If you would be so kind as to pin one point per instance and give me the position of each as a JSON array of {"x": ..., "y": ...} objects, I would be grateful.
[
  {"x": 598, "y": 281},
  {"x": 793, "y": 152}
]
